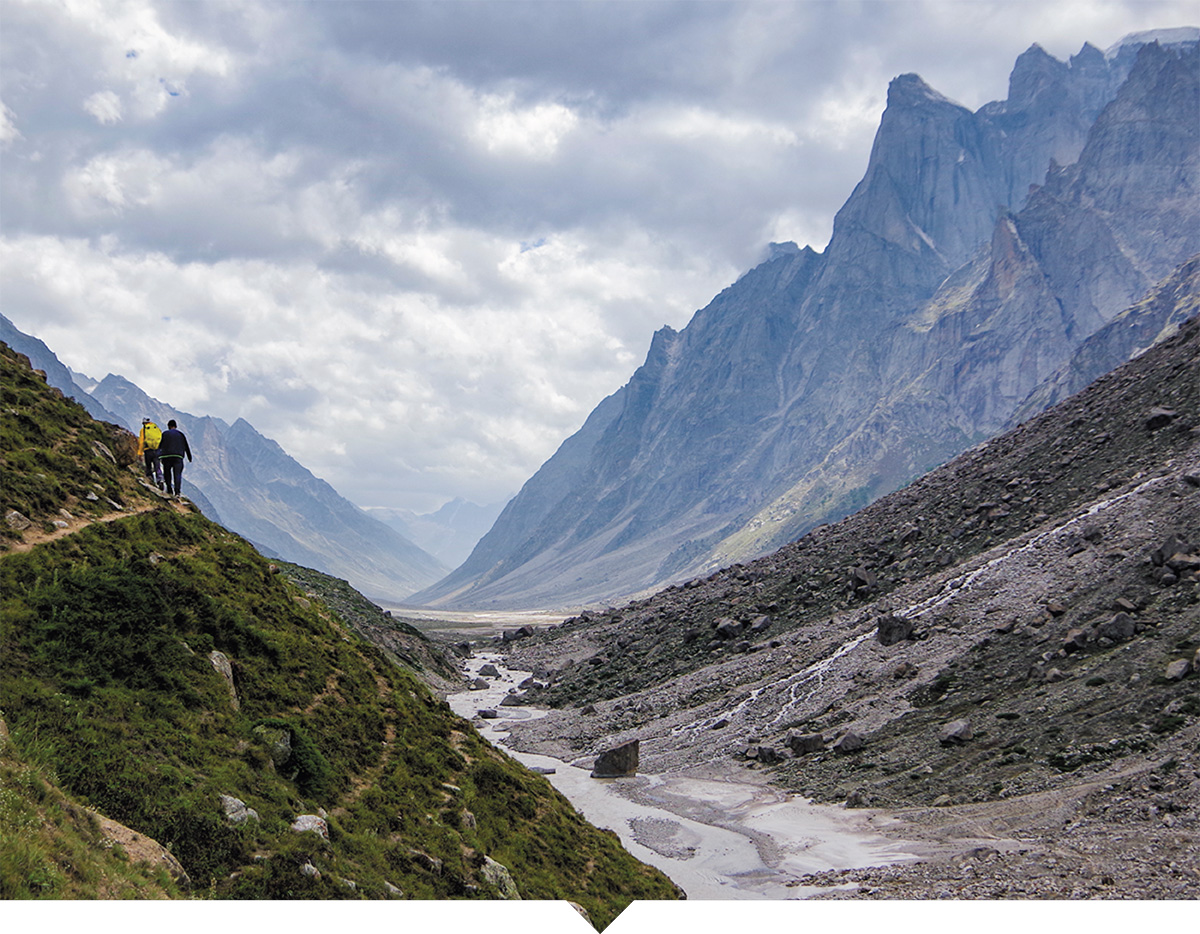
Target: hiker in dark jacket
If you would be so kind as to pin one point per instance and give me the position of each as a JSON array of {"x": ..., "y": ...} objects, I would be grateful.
[{"x": 171, "y": 451}]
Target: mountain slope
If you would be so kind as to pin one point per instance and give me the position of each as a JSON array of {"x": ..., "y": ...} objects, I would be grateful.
[
  {"x": 259, "y": 491},
  {"x": 171, "y": 678},
  {"x": 819, "y": 382},
  {"x": 57, "y": 375},
  {"x": 1043, "y": 587},
  {"x": 248, "y": 483}
]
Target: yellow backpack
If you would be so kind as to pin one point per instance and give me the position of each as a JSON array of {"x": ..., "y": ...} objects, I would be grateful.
[{"x": 151, "y": 436}]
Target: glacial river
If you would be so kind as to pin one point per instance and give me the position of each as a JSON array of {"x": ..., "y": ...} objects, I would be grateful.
[{"x": 714, "y": 839}]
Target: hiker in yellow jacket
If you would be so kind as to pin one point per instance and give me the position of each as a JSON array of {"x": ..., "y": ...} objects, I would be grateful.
[{"x": 149, "y": 439}]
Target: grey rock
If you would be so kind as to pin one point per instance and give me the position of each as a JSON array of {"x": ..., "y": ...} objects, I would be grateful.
[
  {"x": 1182, "y": 563},
  {"x": 618, "y": 762},
  {"x": 955, "y": 733},
  {"x": 728, "y": 628},
  {"x": 236, "y": 810},
  {"x": 496, "y": 874},
  {"x": 311, "y": 822},
  {"x": 425, "y": 861},
  {"x": 14, "y": 520},
  {"x": 893, "y": 629},
  {"x": 489, "y": 671},
  {"x": 863, "y": 579},
  {"x": 220, "y": 662},
  {"x": 489, "y": 714},
  {"x": 1120, "y": 628},
  {"x": 1178, "y": 669},
  {"x": 804, "y": 743},
  {"x": 1172, "y": 546},
  {"x": 849, "y": 742},
  {"x": 308, "y": 869},
  {"x": 761, "y": 624},
  {"x": 480, "y": 684},
  {"x": 1160, "y": 418}
]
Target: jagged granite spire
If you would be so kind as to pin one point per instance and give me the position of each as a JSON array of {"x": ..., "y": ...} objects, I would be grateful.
[{"x": 819, "y": 382}]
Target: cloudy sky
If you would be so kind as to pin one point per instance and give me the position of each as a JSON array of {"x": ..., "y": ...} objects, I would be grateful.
[{"x": 416, "y": 243}]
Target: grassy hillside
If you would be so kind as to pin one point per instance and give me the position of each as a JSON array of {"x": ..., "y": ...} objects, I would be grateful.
[{"x": 110, "y": 689}]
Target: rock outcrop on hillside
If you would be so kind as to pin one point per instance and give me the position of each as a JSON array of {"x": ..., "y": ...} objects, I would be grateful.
[{"x": 819, "y": 382}]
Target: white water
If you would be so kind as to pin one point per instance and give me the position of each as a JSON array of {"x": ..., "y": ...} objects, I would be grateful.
[{"x": 714, "y": 839}]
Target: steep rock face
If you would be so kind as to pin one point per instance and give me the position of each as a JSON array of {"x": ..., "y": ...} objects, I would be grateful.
[
  {"x": 1128, "y": 335},
  {"x": 249, "y": 484},
  {"x": 818, "y": 382},
  {"x": 1079, "y": 252}
]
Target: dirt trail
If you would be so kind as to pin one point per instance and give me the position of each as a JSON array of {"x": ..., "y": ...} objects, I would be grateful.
[{"x": 35, "y": 536}]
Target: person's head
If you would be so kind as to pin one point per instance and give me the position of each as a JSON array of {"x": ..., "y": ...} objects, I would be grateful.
[
  {"x": 145, "y": 421},
  {"x": 171, "y": 423}
]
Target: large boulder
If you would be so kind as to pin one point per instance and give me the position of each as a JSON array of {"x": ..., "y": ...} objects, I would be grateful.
[
  {"x": 728, "y": 628},
  {"x": 849, "y": 742},
  {"x": 498, "y": 875},
  {"x": 618, "y": 762},
  {"x": 892, "y": 629},
  {"x": 236, "y": 810},
  {"x": 313, "y": 822},
  {"x": 1178, "y": 669},
  {"x": 802, "y": 743},
  {"x": 1120, "y": 628},
  {"x": 955, "y": 733}
]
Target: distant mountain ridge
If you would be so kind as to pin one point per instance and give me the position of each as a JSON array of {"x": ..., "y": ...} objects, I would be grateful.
[
  {"x": 248, "y": 483},
  {"x": 960, "y": 276},
  {"x": 262, "y": 493},
  {"x": 449, "y": 533}
]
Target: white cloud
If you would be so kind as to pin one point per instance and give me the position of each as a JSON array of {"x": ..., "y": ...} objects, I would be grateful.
[
  {"x": 105, "y": 106},
  {"x": 8, "y": 127},
  {"x": 417, "y": 249},
  {"x": 534, "y": 132}
]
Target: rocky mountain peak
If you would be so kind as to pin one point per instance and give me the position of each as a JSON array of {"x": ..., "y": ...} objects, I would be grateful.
[
  {"x": 820, "y": 381},
  {"x": 910, "y": 90},
  {"x": 1035, "y": 71}
]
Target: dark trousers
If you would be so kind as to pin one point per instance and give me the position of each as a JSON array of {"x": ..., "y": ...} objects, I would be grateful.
[
  {"x": 173, "y": 469},
  {"x": 153, "y": 467}
]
